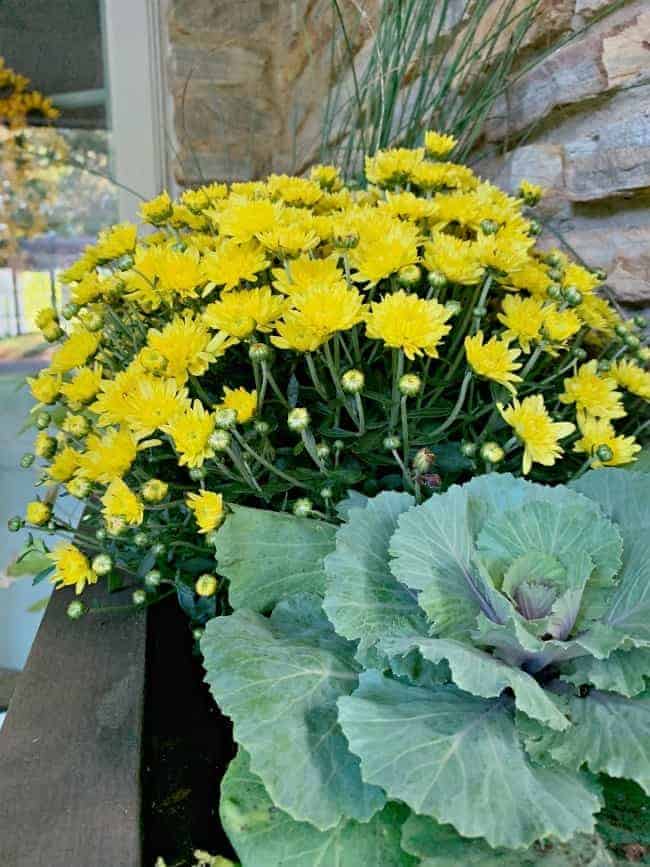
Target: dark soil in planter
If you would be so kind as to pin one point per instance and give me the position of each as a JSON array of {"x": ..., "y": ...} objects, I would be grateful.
[{"x": 187, "y": 746}]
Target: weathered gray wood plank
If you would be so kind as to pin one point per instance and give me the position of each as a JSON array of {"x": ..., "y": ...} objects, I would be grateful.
[
  {"x": 70, "y": 746},
  {"x": 8, "y": 679}
]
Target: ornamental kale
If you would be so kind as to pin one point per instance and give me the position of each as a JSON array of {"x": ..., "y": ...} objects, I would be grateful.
[{"x": 436, "y": 684}]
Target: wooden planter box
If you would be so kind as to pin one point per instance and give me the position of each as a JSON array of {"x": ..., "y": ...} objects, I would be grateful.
[{"x": 112, "y": 750}]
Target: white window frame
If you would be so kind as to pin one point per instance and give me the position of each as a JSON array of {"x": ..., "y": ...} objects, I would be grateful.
[{"x": 137, "y": 97}]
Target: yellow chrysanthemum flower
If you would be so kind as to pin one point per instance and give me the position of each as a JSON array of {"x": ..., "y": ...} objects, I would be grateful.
[
  {"x": 288, "y": 240},
  {"x": 38, "y": 513},
  {"x": 76, "y": 351},
  {"x": 409, "y": 323},
  {"x": 208, "y": 508},
  {"x": 583, "y": 280},
  {"x": 64, "y": 465},
  {"x": 244, "y": 220},
  {"x": 598, "y": 314},
  {"x": 232, "y": 263},
  {"x": 88, "y": 289},
  {"x": 72, "y": 568},
  {"x": 108, "y": 457},
  {"x": 45, "y": 387},
  {"x": 83, "y": 387},
  {"x": 453, "y": 257},
  {"x": 115, "y": 242},
  {"x": 188, "y": 346},
  {"x": 380, "y": 254},
  {"x": 157, "y": 210},
  {"x": 560, "y": 325},
  {"x": 597, "y": 432},
  {"x": 536, "y": 429},
  {"x": 243, "y": 402},
  {"x": 317, "y": 314},
  {"x": 190, "y": 431},
  {"x": 111, "y": 406},
  {"x": 530, "y": 193},
  {"x": 502, "y": 253},
  {"x": 407, "y": 206},
  {"x": 294, "y": 191},
  {"x": 45, "y": 316},
  {"x": 179, "y": 272},
  {"x": 393, "y": 167},
  {"x": 632, "y": 378},
  {"x": 533, "y": 277},
  {"x": 151, "y": 404},
  {"x": 44, "y": 445},
  {"x": 493, "y": 360},
  {"x": 441, "y": 176},
  {"x": 593, "y": 393},
  {"x": 523, "y": 318},
  {"x": 239, "y": 314},
  {"x": 119, "y": 501},
  {"x": 304, "y": 273},
  {"x": 438, "y": 145},
  {"x": 327, "y": 177},
  {"x": 205, "y": 196}
]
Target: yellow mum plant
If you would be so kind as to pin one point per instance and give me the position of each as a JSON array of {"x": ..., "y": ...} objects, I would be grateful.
[{"x": 278, "y": 343}]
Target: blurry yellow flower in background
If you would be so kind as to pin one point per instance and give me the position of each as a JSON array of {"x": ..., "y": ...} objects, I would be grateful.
[
  {"x": 536, "y": 429},
  {"x": 233, "y": 262},
  {"x": 108, "y": 457},
  {"x": 597, "y": 432},
  {"x": 493, "y": 360},
  {"x": 71, "y": 568},
  {"x": 243, "y": 402},
  {"x": 208, "y": 508},
  {"x": 327, "y": 177},
  {"x": 593, "y": 393},
  {"x": 293, "y": 190},
  {"x": 119, "y": 501},
  {"x": 409, "y": 323},
  {"x": 523, "y": 318},
  {"x": 190, "y": 431},
  {"x": 631, "y": 377}
]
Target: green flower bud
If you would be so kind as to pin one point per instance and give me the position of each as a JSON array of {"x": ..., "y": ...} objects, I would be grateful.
[
  {"x": 152, "y": 579},
  {"x": 139, "y": 597},
  {"x": 102, "y": 564},
  {"x": 92, "y": 320},
  {"x": 410, "y": 384},
  {"x": 339, "y": 445},
  {"x": 141, "y": 540},
  {"x": 580, "y": 353},
  {"x": 573, "y": 296},
  {"x": 260, "y": 352},
  {"x": 489, "y": 227},
  {"x": 197, "y": 633},
  {"x": 159, "y": 549},
  {"x": 225, "y": 418},
  {"x": 220, "y": 440},
  {"x": 197, "y": 474},
  {"x": 302, "y": 508},
  {"x": 76, "y": 609},
  {"x": 353, "y": 381},
  {"x": 69, "y": 310},
  {"x": 603, "y": 453},
  {"x": 262, "y": 427},
  {"x": 43, "y": 420},
  {"x": 554, "y": 291},
  {"x": 326, "y": 493},
  {"x": 27, "y": 460},
  {"x": 408, "y": 276},
  {"x": 640, "y": 321},
  {"x": 534, "y": 228},
  {"x": 631, "y": 341},
  {"x": 323, "y": 451},
  {"x": 391, "y": 443},
  {"x": 621, "y": 329},
  {"x": 556, "y": 274},
  {"x": 298, "y": 419},
  {"x": 479, "y": 312},
  {"x": 453, "y": 307},
  {"x": 15, "y": 524},
  {"x": 468, "y": 449},
  {"x": 492, "y": 452},
  {"x": 100, "y": 534},
  {"x": 206, "y": 585},
  {"x": 423, "y": 461},
  {"x": 437, "y": 280}
]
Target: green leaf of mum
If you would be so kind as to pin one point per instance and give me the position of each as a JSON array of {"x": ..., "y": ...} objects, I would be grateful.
[
  {"x": 279, "y": 680},
  {"x": 363, "y": 599},
  {"x": 267, "y": 837},
  {"x": 625, "y": 671},
  {"x": 481, "y": 674},
  {"x": 442, "y": 751},
  {"x": 624, "y": 496},
  {"x": 441, "y": 846},
  {"x": 267, "y": 556},
  {"x": 433, "y": 548},
  {"x": 610, "y": 734}
]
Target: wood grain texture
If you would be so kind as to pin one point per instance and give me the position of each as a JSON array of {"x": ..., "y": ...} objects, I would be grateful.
[
  {"x": 8, "y": 680},
  {"x": 70, "y": 748}
]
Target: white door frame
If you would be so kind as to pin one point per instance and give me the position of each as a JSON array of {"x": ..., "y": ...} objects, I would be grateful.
[{"x": 133, "y": 46}]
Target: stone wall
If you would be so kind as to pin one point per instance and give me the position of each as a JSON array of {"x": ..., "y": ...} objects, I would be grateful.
[{"x": 249, "y": 79}]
